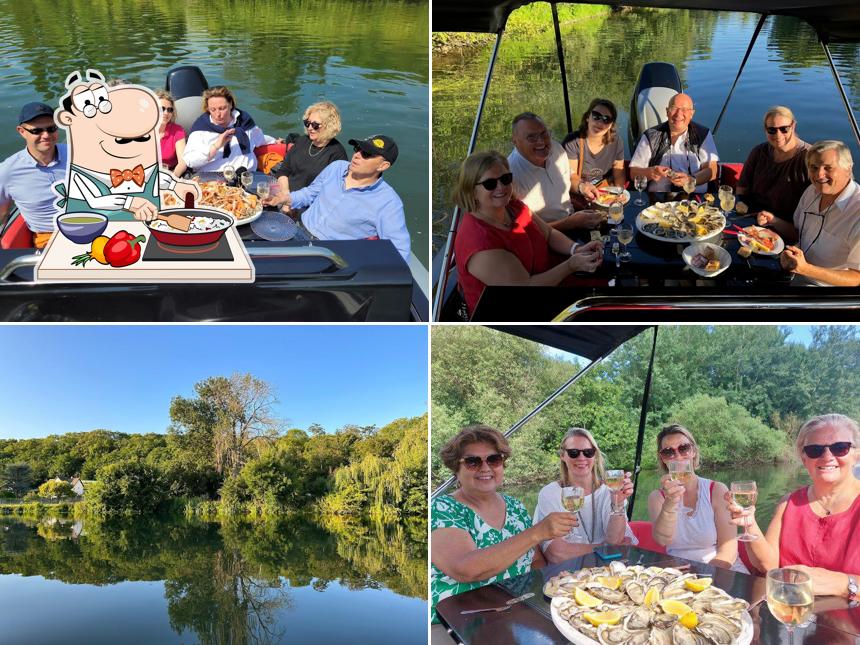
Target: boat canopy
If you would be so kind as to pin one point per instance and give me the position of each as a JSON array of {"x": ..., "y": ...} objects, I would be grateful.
[
  {"x": 591, "y": 342},
  {"x": 833, "y": 20}
]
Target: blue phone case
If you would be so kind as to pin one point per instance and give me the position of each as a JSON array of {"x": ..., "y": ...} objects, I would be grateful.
[{"x": 607, "y": 556}]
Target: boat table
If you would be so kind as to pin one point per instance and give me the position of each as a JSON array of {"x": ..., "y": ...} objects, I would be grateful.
[{"x": 529, "y": 622}]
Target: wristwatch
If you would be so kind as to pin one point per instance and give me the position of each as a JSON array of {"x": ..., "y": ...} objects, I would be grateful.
[{"x": 852, "y": 592}]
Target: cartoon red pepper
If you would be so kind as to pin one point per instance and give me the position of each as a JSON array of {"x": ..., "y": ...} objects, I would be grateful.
[{"x": 123, "y": 249}]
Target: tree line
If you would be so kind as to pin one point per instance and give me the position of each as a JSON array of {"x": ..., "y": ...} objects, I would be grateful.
[
  {"x": 225, "y": 446},
  {"x": 742, "y": 391}
]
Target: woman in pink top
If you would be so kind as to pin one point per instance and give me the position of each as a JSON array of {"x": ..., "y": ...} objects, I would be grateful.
[
  {"x": 499, "y": 242},
  {"x": 172, "y": 135},
  {"x": 816, "y": 527}
]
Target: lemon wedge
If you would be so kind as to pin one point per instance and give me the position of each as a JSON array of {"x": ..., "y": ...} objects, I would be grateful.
[
  {"x": 699, "y": 584},
  {"x": 675, "y": 607},
  {"x": 689, "y": 620},
  {"x": 585, "y": 599},
  {"x": 603, "y": 617},
  {"x": 652, "y": 597},
  {"x": 611, "y": 582}
]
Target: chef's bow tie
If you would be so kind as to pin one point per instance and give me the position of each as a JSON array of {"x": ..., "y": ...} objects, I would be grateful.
[{"x": 119, "y": 176}]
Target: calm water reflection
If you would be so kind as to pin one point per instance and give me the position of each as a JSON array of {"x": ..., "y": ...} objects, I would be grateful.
[
  {"x": 191, "y": 582},
  {"x": 370, "y": 58},
  {"x": 603, "y": 58}
]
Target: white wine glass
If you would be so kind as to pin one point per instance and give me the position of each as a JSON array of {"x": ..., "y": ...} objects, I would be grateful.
[
  {"x": 572, "y": 498},
  {"x": 640, "y": 183},
  {"x": 625, "y": 236},
  {"x": 727, "y": 203},
  {"x": 680, "y": 470},
  {"x": 614, "y": 482},
  {"x": 744, "y": 494},
  {"x": 247, "y": 178},
  {"x": 616, "y": 213},
  {"x": 263, "y": 189},
  {"x": 789, "y": 597},
  {"x": 229, "y": 174}
]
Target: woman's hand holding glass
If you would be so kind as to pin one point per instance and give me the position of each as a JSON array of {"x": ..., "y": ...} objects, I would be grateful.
[
  {"x": 740, "y": 515},
  {"x": 673, "y": 490},
  {"x": 572, "y": 498},
  {"x": 621, "y": 488}
]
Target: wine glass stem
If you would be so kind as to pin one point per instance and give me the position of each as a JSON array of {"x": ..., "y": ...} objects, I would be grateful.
[{"x": 790, "y": 629}]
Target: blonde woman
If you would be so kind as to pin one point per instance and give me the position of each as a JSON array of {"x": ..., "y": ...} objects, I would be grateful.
[
  {"x": 582, "y": 464},
  {"x": 171, "y": 134}
]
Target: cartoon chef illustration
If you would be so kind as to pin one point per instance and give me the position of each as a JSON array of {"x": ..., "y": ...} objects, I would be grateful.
[{"x": 113, "y": 151}]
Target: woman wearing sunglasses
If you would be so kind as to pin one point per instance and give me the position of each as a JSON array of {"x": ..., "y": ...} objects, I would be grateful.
[
  {"x": 774, "y": 175},
  {"x": 684, "y": 517},
  {"x": 582, "y": 465},
  {"x": 171, "y": 134},
  {"x": 815, "y": 528},
  {"x": 595, "y": 153},
  {"x": 311, "y": 152},
  {"x": 478, "y": 535},
  {"x": 500, "y": 242}
]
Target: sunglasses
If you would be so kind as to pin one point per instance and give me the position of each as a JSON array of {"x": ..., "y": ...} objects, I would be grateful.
[
  {"x": 364, "y": 153},
  {"x": 573, "y": 453},
  {"x": 782, "y": 128},
  {"x": 597, "y": 116},
  {"x": 51, "y": 129},
  {"x": 473, "y": 462},
  {"x": 312, "y": 125},
  {"x": 169, "y": 110},
  {"x": 838, "y": 449},
  {"x": 492, "y": 182},
  {"x": 683, "y": 450}
]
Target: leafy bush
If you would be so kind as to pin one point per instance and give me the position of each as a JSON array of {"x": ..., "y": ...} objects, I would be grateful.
[
  {"x": 54, "y": 489},
  {"x": 126, "y": 488}
]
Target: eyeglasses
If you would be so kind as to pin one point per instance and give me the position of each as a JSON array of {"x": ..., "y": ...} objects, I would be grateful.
[
  {"x": 683, "y": 450},
  {"x": 785, "y": 129},
  {"x": 473, "y": 462},
  {"x": 364, "y": 153},
  {"x": 537, "y": 136},
  {"x": 838, "y": 449},
  {"x": 312, "y": 125},
  {"x": 490, "y": 184},
  {"x": 573, "y": 453},
  {"x": 169, "y": 110},
  {"x": 597, "y": 116},
  {"x": 51, "y": 129},
  {"x": 679, "y": 109}
]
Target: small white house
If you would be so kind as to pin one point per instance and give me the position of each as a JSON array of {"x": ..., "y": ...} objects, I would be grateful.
[{"x": 79, "y": 486}]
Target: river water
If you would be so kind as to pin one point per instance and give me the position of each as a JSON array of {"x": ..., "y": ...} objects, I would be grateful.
[
  {"x": 369, "y": 58},
  {"x": 158, "y": 581},
  {"x": 603, "y": 57}
]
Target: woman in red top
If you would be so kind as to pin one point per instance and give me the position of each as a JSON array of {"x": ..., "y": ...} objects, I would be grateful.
[
  {"x": 815, "y": 528},
  {"x": 499, "y": 242},
  {"x": 172, "y": 135}
]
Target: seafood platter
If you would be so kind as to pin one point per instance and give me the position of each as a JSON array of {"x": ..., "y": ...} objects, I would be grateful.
[
  {"x": 640, "y": 605},
  {"x": 680, "y": 221},
  {"x": 243, "y": 206},
  {"x": 761, "y": 240},
  {"x": 609, "y": 196}
]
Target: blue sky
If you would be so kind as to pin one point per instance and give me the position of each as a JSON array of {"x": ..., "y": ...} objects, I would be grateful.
[{"x": 68, "y": 378}]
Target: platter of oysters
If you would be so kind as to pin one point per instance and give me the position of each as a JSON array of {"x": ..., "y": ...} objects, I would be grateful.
[
  {"x": 685, "y": 221},
  {"x": 639, "y": 605}
]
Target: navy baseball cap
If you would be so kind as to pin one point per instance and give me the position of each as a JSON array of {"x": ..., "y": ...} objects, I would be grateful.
[
  {"x": 378, "y": 144},
  {"x": 34, "y": 111}
]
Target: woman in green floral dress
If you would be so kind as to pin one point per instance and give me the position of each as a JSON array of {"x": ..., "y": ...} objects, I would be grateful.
[{"x": 478, "y": 535}]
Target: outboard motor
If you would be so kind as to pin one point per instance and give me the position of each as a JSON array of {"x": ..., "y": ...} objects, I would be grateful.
[
  {"x": 186, "y": 84},
  {"x": 657, "y": 84}
]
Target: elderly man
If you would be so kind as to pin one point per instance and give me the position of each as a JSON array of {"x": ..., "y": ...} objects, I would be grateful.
[
  {"x": 826, "y": 221},
  {"x": 542, "y": 175},
  {"x": 349, "y": 200},
  {"x": 27, "y": 176},
  {"x": 676, "y": 149}
]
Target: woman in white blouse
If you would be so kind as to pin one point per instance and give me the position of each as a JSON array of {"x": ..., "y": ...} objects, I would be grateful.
[{"x": 582, "y": 465}]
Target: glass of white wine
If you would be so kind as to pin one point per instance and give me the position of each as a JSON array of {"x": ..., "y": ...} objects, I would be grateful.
[
  {"x": 614, "y": 481},
  {"x": 616, "y": 213},
  {"x": 744, "y": 495},
  {"x": 689, "y": 186},
  {"x": 789, "y": 597},
  {"x": 640, "y": 183},
  {"x": 625, "y": 236},
  {"x": 247, "y": 178},
  {"x": 263, "y": 189},
  {"x": 727, "y": 203},
  {"x": 229, "y": 174},
  {"x": 680, "y": 470},
  {"x": 572, "y": 498}
]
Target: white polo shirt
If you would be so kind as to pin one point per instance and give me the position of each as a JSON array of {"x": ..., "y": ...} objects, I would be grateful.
[{"x": 545, "y": 190}]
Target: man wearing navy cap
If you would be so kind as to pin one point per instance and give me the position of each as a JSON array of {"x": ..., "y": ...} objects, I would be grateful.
[
  {"x": 27, "y": 176},
  {"x": 349, "y": 200}
]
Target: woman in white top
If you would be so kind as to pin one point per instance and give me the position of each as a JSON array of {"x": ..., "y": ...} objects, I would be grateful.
[
  {"x": 582, "y": 465},
  {"x": 685, "y": 520}
]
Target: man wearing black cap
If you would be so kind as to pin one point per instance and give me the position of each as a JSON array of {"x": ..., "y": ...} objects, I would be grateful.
[
  {"x": 349, "y": 200},
  {"x": 27, "y": 176}
]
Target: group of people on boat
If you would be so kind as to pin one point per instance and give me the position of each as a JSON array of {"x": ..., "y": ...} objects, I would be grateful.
[
  {"x": 480, "y": 535},
  {"x": 512, "y": 204},
  {"x": 335, "y": 197}
]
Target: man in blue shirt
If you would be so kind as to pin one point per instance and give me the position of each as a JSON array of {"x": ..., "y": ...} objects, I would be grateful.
[
  {"x": 349, "y": 200},
  {"x": 27, "y": 176}
]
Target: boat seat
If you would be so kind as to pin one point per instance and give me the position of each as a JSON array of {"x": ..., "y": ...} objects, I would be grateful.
[
  {"x": 730, "y": 173},
  {"x": 642, "y": 531},
  {"x": 17, "y": 235},
  {"x": 270, "y": 155}
]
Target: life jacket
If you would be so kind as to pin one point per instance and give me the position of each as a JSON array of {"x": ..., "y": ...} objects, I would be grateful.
[{"x": 660, "y": 140}]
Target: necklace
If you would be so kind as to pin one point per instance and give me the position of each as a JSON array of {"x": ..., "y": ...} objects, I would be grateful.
[{"x": 311, "y": 146}]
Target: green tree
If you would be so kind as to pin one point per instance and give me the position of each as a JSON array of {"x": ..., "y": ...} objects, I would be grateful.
[
  {"x": 55, "y": 489},
  {"x": 17, "y": 477},
  {"x": 127, "y": 488}
]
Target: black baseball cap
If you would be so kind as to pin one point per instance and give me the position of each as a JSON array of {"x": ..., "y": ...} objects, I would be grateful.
[
  {"x": 378, "y": 144},
  {"x": 34, "y": 111}
]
